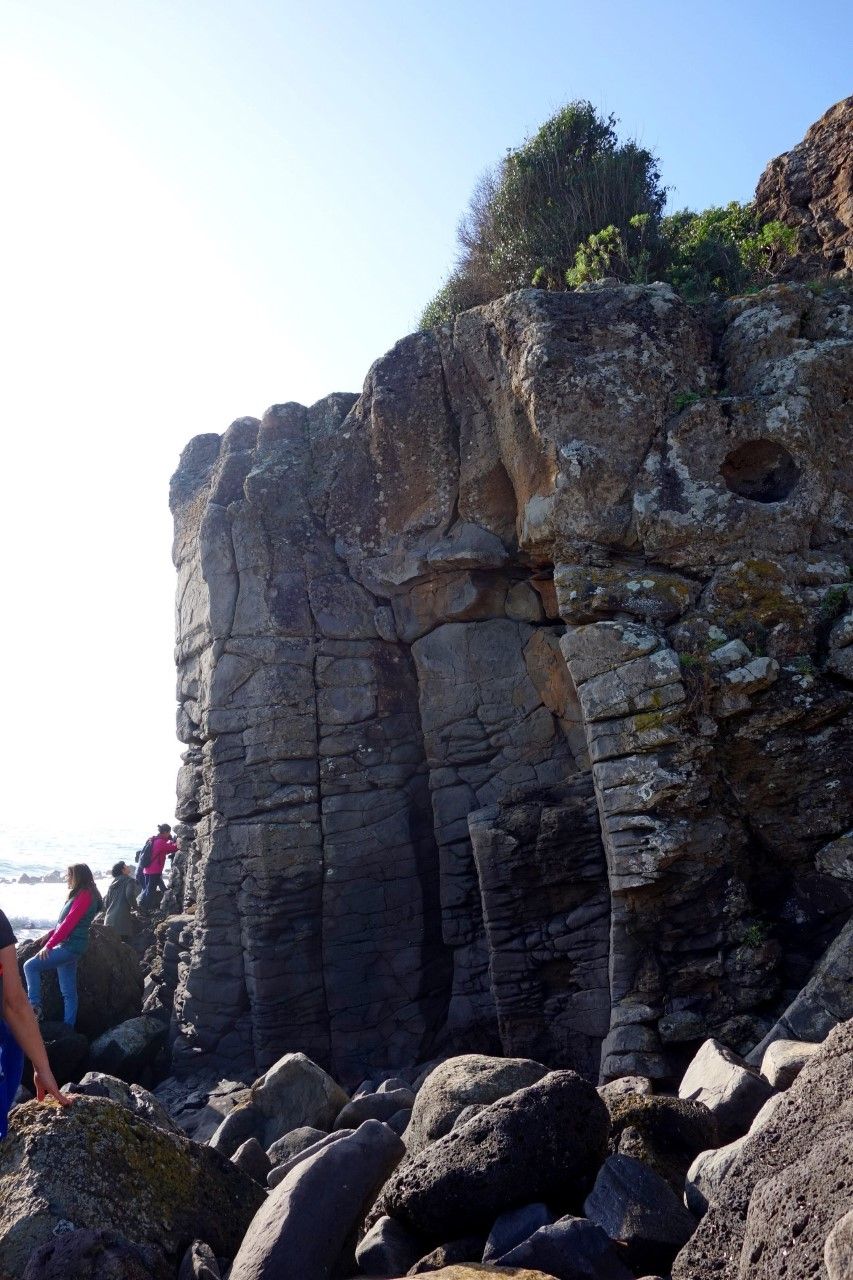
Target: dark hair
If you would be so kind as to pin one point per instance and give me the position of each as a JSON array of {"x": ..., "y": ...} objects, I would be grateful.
[
  {"x": 80, "y": 877},
  {"x": 118, "y": 868},
  {"x": 164, "y": 826}
]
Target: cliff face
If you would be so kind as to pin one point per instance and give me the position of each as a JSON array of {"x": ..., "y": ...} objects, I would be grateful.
[
  {"x": 517, "y": 692},
  {"x": 810, "y": 188}
]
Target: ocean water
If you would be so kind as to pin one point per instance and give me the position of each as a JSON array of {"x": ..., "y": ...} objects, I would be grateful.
[{"x": 40, "y": 851}]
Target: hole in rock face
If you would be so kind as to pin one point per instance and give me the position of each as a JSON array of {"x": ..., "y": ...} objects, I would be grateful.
[{"x": 760, "y": 470}]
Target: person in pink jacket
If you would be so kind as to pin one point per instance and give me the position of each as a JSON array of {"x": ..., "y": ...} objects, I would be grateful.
[
  {"x": 162, "y": 847},
  {"x": 66, "y": 943}
]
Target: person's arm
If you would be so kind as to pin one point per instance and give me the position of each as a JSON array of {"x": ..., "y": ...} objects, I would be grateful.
[
  {"x": 18, "y": 1015},
  {"x": 131, "y": 892},
  {"x": 172, "y": 848},
  {"x": 66, "y": 927}
]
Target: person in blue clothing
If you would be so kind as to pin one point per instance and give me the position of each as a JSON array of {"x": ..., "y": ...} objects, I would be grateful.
[
  {"x": 19, "y": 1034},
  {"x": 66, "y": 943}
]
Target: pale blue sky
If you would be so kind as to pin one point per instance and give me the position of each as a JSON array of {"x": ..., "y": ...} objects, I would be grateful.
[{"x": 209, "y": 207}]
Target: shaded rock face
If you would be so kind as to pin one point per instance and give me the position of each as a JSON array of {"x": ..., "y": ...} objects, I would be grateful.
[
  {"x": 810, "y": 187},
  {"x": 516, "y": 694}
]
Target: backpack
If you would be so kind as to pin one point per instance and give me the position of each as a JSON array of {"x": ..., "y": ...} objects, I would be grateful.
[{"x": 146, "y": 853}]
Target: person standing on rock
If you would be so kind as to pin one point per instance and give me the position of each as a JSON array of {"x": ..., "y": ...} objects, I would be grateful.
[
  {"x": 162, "y": 847},
  {"x": 65, "y": 944},
  {"x": 120, "y": 900},
  {"x": 19, "y": 1034}
]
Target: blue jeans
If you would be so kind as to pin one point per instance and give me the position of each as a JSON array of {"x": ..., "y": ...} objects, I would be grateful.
[
  {"x": 153, "y": 889},
  {"x": 65, "y": 964},
  {"x": 11, "y": 1068}
]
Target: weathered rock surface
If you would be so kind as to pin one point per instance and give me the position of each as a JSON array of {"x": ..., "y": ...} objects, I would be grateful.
[
  {"x": 97, "y": 1084},
  {"x": 129, "y": 1048},
  {"x": 544, "y": 1142},
  {"x": 295, "y": 1093},
  {"x": 632, "y": 1204},
  {"x": 810, "y": 187},
  {"x": 570, "y": 1249},
  {"x": 468, "y": 1080},
  {"x": 95, "y": 1165},
  {"x": 665, "y": 1133},
  {"x": 462, "y": 772},
  {"x": 109, "y": 983},
  {"x": 802, "y": 1156},
  {"x": 307, "y": 1227},
  {"x": 784, "y": 1060},
  {"x": 387, "y": 1249},
  {"x": 514, "y": 1227},
  {"x": 721, "y": 1081},
  {"x": 89, "y": 1254}
]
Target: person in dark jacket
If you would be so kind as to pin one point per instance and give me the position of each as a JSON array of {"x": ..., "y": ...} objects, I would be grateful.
[
  {"x": 120, "y": 901},
  {"x": 19, "y": 1034},
  {"x": 66, "y": 943}
]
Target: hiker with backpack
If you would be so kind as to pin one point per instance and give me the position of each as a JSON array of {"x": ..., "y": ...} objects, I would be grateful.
[
  {"x": 152, "y": 860},
  {"x": 120, "y": 901}
]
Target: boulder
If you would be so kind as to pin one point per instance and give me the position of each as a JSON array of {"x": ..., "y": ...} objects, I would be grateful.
[
  {"x": 733, "y": 1092},
  {"x": 399, "y": 1122},
  {"x": 67, "y": 1051},
  {"x": 374, "y": 1106},
  {"x": 466, "y": 1249},
  {"x": 306, "y": 1229},
  {"x": 97, "y": 1084},
  {"x": 784, "y": 1060},
  {"x": 706, "y": 1174},
  {"x": 387, "y": 1249},
  {"x": 253, "y": 1160},
  {"x": 514, "y": 1226},
  {"x": 569, "y": 1249},
  {"x": 199, "y": 1103},
  {"x": 624, "y": 1086},
  {"x": 800, "y": 1155},
  {"x": 633, "y": 1204},
  {"x": 95, "y": 1164},
  {"x": 665, "y": 1133},
  {"x": 90, "y": 1254},
  {"x": 295, "y": 1093},
  {"x": 292, "y": 1143},
  {"x": 281, "y": 1170},
  {"x": 199, "y": 1263},
  {"x": 109, "y": 983},
  {"x": 544, "y": 1142},
  {"x": 838, "y": 1250},
  {"x": 476, "y": 1270},
  {"x": 131, "y": 1047},
  {"x": 469, "y": 1079}
]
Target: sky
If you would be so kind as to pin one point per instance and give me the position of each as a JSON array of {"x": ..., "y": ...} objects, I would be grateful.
[{"x": 210, "y": 207}]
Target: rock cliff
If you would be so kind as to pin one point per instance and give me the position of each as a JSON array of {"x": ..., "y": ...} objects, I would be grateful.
[{"x": 517, "y": 691}]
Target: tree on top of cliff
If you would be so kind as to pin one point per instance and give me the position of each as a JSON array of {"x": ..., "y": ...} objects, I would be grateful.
[{"x": 527, "y": 216}]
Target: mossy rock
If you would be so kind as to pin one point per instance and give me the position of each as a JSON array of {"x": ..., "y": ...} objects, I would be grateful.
[
  {"x": 665, "y": 1133},
  {"x": 96, "y": 1165}
]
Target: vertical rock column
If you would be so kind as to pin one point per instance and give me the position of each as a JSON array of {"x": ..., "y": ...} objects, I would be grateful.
[{"x": 665, "y": 844}]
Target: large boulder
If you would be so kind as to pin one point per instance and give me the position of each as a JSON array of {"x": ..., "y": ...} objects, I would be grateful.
[
  {"x": 544, "y": 1142},
  {"x": 129, "y": 1049},
  {"x": 569, "y": 1249},
  {"x": 109, "y": 983},
  {"x": 374, "y": 1106},
  {"x": 733, "y": 1092},
  {"x": 307, "y": 1228},
  {"x": 632, "y": 1204},
  {"x": 800, "y": 1157},
  {"x": 514, "y": 1226},
  {"x": 96, "y": 1165},
  {"x": 387, "y": 1249},
  {"x": 665, "y": 1133},
  {"x": 470, "y": 1079},
  {"x": 67, "y": 1051},
  {"x": 89, "y": 1254},
  {"x": 784, "y": 1060},
  {"x": 99, "y": 1084},
  {"x": 293, "y": 1094}
]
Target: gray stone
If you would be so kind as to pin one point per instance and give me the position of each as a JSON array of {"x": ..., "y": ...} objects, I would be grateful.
[
  {"x": 253, "y": 1160},
  {"x": 307, "y": 1226},
  {"x": 784, "y": 1060},
  {"x": 91, "y": 1254},
  {"x": 632, "y": 1204},
  {"x": 625, "y": 1086},
  {"x": 540, "y": 1143},
  {"x": 387, "y": 1249},
  {"x": 280, "y": 1171},
  {"x": 732, "y": 1092},
  {"x": 199, "y": 1263},
  {"x": 292, "y": 1143},
  {"x": 466, "y": 1250},
  {"x": 570, "y": 1249},
  {"x": 838, "y": 1250},
  {"x": 468, "y": 1080},
  {"x": 516, "y": 1225},
  {"x": 97, "y": 1084},
  {"x": 126, "y": 1050},
  {"x": 374, "y": 1106}
]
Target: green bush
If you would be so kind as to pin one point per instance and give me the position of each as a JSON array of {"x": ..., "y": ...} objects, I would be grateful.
[
  {"x": 528, "y": 216},
  {"x": 723, "y": 250}
]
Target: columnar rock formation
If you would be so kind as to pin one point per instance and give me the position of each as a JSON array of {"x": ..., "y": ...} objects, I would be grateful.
[{"x": 516, "y": 692}]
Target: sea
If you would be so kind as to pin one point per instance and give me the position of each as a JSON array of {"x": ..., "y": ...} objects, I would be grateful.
[{"x": 42, "y": 854}]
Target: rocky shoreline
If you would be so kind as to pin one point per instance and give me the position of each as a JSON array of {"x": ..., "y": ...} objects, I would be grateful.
[{"x": 474, "y": 1165}]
